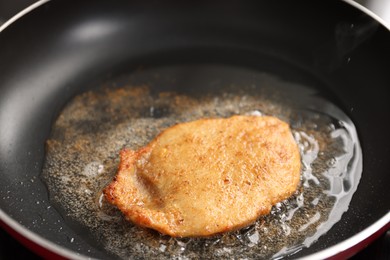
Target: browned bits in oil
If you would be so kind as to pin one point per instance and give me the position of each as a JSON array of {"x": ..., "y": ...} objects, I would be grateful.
[{"x": 83, "y": 155}]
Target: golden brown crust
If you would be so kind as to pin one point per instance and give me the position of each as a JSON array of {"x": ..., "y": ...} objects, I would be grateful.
[{"x": 207, "y": 176}]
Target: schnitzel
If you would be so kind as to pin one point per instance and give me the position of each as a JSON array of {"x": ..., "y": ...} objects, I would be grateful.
[{"x": 207, "y": 176}]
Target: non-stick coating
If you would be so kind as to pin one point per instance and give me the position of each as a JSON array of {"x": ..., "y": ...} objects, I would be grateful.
[{"x": 65, "y": 47}]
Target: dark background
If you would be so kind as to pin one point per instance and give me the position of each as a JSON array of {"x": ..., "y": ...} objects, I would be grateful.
[{"x": 12, "y": 249}]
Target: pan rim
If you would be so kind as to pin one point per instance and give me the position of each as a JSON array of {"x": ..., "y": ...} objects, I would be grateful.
[
  {"x": 36, "y": 239},
  {"x": 349, "y": 243},
  {"x": 333, "y": 251},
  {"x": 368, "y": 12},
  {"x": 22, "y": 13},
  {"x": 350, "y": 2}
]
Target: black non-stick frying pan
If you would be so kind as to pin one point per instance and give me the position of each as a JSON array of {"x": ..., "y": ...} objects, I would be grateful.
[{"x": 62, "y": 48}]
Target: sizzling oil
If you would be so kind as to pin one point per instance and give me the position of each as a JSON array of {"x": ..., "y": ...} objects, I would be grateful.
[{"x": 82, "y": 158}]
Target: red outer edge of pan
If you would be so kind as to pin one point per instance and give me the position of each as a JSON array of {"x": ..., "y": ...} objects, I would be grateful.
[
  {"x": 360, "y": 246},
  {"x": 33, "y": 246}
]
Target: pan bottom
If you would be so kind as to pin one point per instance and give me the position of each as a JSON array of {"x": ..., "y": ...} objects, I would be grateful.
[{"x": 82, "y": 156}]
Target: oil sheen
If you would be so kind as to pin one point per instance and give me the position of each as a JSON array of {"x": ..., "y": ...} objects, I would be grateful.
[{"x": 83, "y": 155}]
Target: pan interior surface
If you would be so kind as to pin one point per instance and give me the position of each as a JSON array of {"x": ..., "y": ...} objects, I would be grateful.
[
  {"x": 81, "y": 45},
  {"x": 82, "y": 156}
]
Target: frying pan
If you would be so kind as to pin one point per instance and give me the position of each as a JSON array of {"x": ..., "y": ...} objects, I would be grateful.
[{"x": 59, "y": 49}]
